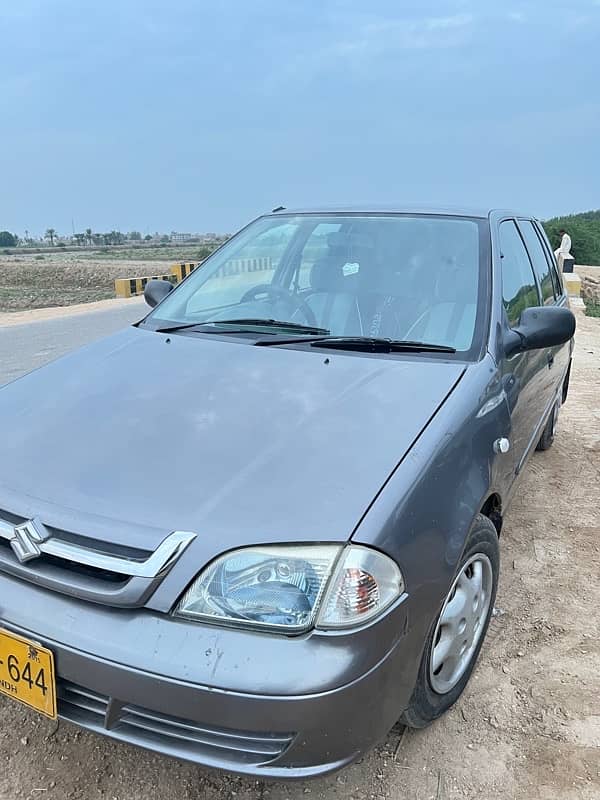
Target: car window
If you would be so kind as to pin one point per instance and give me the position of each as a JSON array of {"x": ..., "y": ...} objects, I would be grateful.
[
  {"x": 252, "y": 264},
  {"x": 539, "y": 260},
  {"x": 519, "y": 289},
  {"x": 556, "y": 279},
  {"x": 393, "y": 276},
  {"x": 315, "y": 249}
]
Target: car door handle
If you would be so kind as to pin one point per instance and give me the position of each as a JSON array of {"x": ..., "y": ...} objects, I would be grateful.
[{"x": 550, "y": 357}]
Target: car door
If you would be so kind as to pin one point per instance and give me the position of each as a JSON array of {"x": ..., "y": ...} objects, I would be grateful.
[
  {"x": 524, "y": 375},
  {"x": 552, "y": 294}
]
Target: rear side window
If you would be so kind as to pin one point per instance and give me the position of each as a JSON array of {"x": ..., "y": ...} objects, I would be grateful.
[
  {"x": 519, "y": 289},
  {"x": 558, "y": 287},
  {"x": 538, "y": 259}
]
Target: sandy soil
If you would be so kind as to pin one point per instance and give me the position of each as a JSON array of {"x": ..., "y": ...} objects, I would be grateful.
[{"x": 528, "y": 725}]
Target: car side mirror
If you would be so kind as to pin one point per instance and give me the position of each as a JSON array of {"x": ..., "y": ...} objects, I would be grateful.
[
  {"x": 156, "y": 290},
  {"x": 540, "y": 326}
]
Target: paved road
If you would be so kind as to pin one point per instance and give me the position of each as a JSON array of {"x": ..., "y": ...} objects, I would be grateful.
[{"x": 25, "y": 347}]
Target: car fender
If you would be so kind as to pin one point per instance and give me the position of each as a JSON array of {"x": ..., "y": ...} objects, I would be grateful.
[{"x": 423, "y": 514}]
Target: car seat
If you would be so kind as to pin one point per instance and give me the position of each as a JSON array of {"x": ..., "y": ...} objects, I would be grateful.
[
  {"x": 450, "y": 320},
  {"x": 334, "y": 282}
]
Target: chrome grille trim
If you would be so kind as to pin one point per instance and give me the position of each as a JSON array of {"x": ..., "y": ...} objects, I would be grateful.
[{"x": 154, "y": 566}]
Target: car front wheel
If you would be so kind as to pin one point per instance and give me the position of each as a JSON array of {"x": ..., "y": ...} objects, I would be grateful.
[{"x": 457, "y": 635}]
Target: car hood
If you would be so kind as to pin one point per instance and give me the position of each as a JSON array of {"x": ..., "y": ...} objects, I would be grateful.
[{"x": 138, "y": 435}]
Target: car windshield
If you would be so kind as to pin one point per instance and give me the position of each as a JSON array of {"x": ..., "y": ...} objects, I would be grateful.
[{"x": 403, "y": 277}]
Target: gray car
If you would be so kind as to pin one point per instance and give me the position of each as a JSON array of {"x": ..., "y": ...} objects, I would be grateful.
[{"x": 259, "y": 527}]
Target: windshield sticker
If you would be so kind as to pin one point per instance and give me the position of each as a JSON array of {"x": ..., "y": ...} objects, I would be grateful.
[{"x": 350, "y": 268}]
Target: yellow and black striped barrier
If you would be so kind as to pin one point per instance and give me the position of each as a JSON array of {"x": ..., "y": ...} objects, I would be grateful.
[
  {"x": 181, "y": 271},
  {"x": 129, "y": 287}
]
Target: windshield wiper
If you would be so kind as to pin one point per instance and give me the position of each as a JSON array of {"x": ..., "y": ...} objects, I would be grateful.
[
  {"x": 363, "y": 344},
  {"x": 270, "y": 323},
  {"x": 212, "y": 325},
  {"x": 182, "y": 326},
  {"x": 374, "y": 344}
]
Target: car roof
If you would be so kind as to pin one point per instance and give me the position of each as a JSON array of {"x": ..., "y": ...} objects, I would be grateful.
[{"x": 482, "y": 212}]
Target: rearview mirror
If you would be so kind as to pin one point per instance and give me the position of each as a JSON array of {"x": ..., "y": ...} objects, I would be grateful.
[
  {"x": 540, "y": 326},
  {"x": 156, "y": 290}
]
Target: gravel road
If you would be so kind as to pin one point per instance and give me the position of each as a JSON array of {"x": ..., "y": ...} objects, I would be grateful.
[{"x": 528, "y": 725}]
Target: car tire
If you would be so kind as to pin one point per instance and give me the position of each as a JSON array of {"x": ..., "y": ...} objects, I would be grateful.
[
  {"x": 547, "y": 437},
  {"x": 435, "y": 691}
]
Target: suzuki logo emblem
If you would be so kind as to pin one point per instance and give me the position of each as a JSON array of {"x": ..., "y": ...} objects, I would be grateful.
[{"x": 26, "y": 540}]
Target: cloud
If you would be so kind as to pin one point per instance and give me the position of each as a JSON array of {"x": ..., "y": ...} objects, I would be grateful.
[
  {"x": 373, "y": 38},
  {"x": 443, "y": 23},
  {"x": 358, "y": 44}
]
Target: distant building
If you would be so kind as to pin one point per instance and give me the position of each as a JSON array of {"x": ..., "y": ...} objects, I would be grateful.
[{"x": 180, "y": 237}]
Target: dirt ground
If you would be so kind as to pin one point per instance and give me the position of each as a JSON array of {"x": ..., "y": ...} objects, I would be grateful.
[
  {"x": 528, "y": 725},
  {"x": 30, "y": 280},
  {"x": 42, "y": 281},
  {"x": 591, "y": 272}
]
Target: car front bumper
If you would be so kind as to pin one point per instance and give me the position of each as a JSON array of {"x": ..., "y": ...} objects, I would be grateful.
[{"x": 130, "y": 696}]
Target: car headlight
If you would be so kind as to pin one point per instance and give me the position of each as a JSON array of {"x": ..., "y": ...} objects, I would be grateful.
[{"x": 293, "y": 587}]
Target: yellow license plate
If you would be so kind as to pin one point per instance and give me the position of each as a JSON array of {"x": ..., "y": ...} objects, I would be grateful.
[{"x": 27, "y": 673}]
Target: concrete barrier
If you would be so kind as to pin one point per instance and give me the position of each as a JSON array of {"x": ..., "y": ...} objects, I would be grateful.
[
  {"x": 572, "y": 283},
  {"x": 181, "y": 271},
  {"x": 237, "y": 266},
  {"x": 129, "y": 287}
]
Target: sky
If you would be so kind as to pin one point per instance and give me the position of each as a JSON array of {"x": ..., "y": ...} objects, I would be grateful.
[{"x": 194, "y": 116}]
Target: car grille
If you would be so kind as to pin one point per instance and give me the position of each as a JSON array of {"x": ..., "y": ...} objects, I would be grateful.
[
  {"x": 179, "y": 737},
  {"x": 90, "y": 569},
  {"x": 81, "y": 705}
]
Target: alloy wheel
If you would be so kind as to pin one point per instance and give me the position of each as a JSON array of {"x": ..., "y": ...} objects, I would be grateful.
[{"x": 461, "y": 623}]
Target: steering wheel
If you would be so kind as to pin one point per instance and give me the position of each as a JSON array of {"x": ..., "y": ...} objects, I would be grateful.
[{"x": 279, "y": 293}]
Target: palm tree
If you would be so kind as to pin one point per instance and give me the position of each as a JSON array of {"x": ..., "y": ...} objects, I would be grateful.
[
  {"x": 50, "y": 234},
  {"x": 88, "y": 235}
]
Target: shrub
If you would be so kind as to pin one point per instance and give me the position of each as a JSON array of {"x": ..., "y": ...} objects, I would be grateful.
[
  {"x": 203, "y": 253},
  {"x": 8, "y": 239},
  {"x": 592, "y": 309}
]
